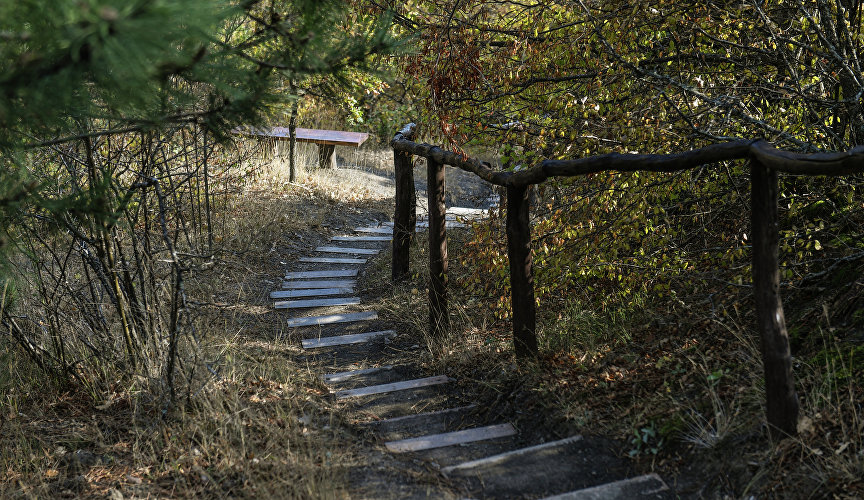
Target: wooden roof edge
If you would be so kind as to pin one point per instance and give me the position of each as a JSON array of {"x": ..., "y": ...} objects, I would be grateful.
[{"x": 320, "y": 136}]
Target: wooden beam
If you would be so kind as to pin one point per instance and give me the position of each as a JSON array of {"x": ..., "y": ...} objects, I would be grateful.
[
  {"x": 439, "y": 321},
  {"x": 483, "y": 169},
  {"x": 405, "y": 215},
  {"x": 833, "y": 163},
  {"x": 839, "y": 163},
  {"x": 521, "y": 272},
  {"x": 781, "y": 399}
]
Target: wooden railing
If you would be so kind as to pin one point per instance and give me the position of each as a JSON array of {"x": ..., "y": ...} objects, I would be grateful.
[{"x": 765, "y": 163}]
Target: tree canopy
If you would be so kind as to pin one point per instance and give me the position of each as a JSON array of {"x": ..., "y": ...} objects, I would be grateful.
[{"x": 624, "y": 76}]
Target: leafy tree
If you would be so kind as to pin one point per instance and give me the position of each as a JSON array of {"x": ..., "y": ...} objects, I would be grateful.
[{"x": 548, "y": 79}]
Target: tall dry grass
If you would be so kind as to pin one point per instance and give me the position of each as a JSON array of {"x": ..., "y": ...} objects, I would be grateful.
[{"x": 251, "y": 420}]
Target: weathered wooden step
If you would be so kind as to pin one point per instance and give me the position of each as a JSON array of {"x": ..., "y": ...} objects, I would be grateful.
[
  {"x": 303, "y": 304},
  {"x": 365, "y": 239},
  {"x": 324, "y": 284},
  {"x": 333, "y": 378},
  {"x": 510, "y": 455},
  {"x": 331, "y": 260},
  {"x": 451, "y": 438},
  {"x": 353, "y": 251},
  {"x": 450, "y": 224},
  {"x": 640, "y": 487},
  {"x": 393, "y": 387},
  {"x": 537, "y": 471},
  {"x": 309, "y": 292},
  {"x": 374, "y": 230},
  {"x": 353, "y": 338},
  {"x": 332, "y": 318},
  {"x": 467, "y": 213},
  {"x": 403, "y": 427},
  {"x": 401, "y": 403},
  {"x": 328, "y": 273}
]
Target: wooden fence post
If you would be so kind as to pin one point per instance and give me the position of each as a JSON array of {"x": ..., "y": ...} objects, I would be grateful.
[
  {"x": 405, "y": 217},
  {"x": 521, "y": 273},
  {"x": 439, "y": 318},
  {"x": 781, "y": 399}
]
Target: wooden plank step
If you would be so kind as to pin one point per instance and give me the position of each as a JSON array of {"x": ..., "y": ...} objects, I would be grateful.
[
  {"x": 362, "y": 238},
  {"x": 374, "y": 230},
  {"x": 393, "y": 387},
  {"x": 300, "y": 285},
  {"x": 451, "y": 438},
  {"x": 468, "y": 213},
  {"x": 448, "y": 217},
  {"x": 328, "y": 273},
  {"x": 405, "y": 418},
  {"x": 332, "y": 318},
  {"x": 301, "y": 304},
  {"x": 332, "y": 378},
  {"x": 420, "y": 424},
  {"x": 310, "y": 292},
  {"x": 356, "y": 251},
  {"x": 646, "y": 486},
  {"x": 331, "y": 260},
  {"x": 353, "y": 338},
  {"x": 502, "y": 457},
  {"x": 450, "y": 224},
  {"x": 538, "y": 471}
]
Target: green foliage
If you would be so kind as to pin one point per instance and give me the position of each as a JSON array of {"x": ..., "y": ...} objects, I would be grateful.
[
  {"x": 549, "y": 81},
  {"x": 64, "y": 61},
  {"x": 573, "y": 80},
  {"x": 647, "y": 440}
]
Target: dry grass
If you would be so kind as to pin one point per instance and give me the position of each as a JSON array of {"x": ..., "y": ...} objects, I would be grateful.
[{"x": 262, "y": 425}]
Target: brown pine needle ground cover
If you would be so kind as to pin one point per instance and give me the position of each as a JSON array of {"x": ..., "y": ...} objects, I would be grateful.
[{"x": 262, "y": 426}]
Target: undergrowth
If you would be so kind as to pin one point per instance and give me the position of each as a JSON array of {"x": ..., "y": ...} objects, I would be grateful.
[
  {"x": 679, "y": 387},
  {"x": 259, "y": 425}
]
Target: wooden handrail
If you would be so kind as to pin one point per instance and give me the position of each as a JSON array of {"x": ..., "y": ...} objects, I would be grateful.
[
  {"x": 766, "y": 161},
  {"x": 830, "y": 164}
]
